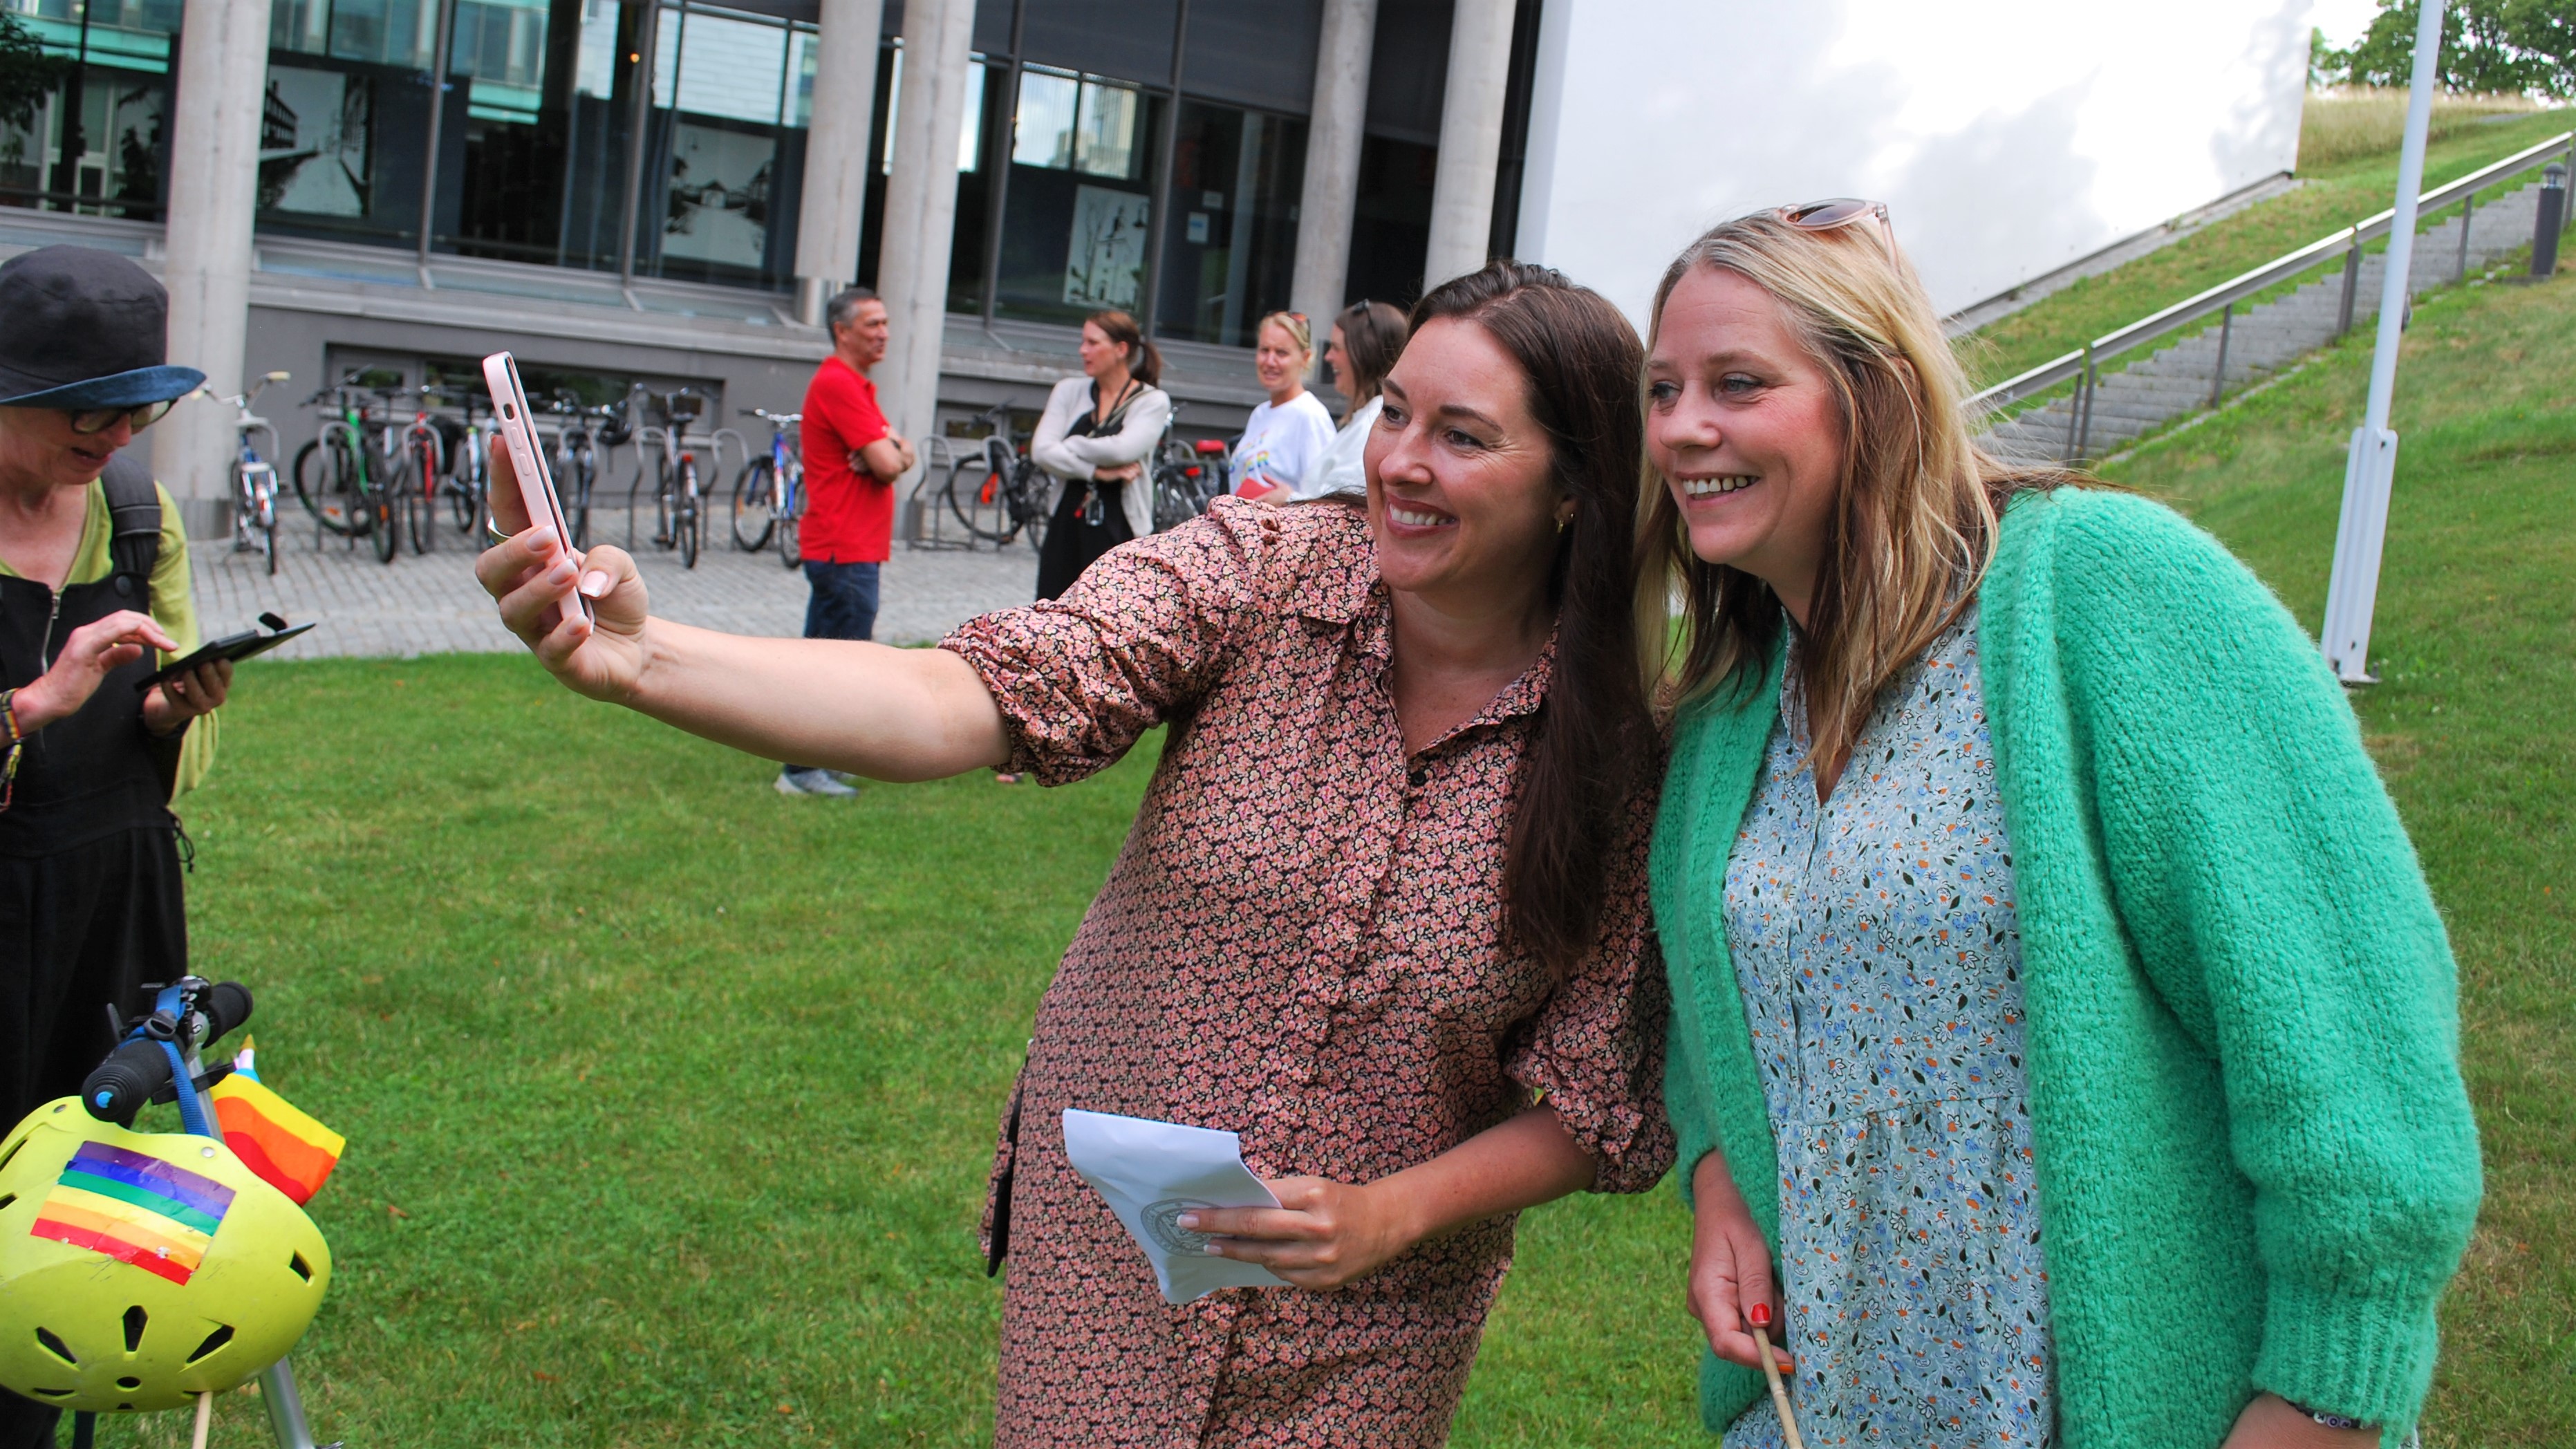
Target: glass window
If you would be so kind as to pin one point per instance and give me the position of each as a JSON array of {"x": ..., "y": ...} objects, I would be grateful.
[
  {"x": 1077, "y": 213},
  {"x": 399, "y": 33},
  {"x": 98, "y": 139},
  {"x": 722, "y": 149},
  {"x": 1391, "y": 220},
  {"x": 1230, "y": 228}
]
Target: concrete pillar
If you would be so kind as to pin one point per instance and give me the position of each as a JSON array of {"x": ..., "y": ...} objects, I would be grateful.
[
  {"x": 214, "y": 181},
  {"x": 1332, "y": 188},
  {"x": 836, "y": 152},
  {"x": 1471, "y": 139},
  {"x": 921, "y": 208}
]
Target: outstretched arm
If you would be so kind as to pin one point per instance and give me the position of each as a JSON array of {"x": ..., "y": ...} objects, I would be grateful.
[{"x": 891, "y": 714}]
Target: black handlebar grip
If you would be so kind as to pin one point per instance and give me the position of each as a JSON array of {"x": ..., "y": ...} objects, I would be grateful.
[
  {"x": 125, "y": 1081},
  {"x": 226, "y": 1005}
]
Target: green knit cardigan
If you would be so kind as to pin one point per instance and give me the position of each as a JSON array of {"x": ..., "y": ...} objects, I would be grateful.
[{"x": 2256, "y": 1161}]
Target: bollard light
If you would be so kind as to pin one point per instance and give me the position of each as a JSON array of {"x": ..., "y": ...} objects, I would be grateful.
[{"x": 2551, "y": 220}]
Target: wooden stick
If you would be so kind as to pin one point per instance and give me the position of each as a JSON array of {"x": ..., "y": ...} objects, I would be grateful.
[
  {"x": 205, "y": 1418},
  {"x": 1760, "y": 1315}
]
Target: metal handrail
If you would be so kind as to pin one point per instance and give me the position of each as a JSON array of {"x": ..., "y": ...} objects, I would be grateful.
[{"x": 2085, "y": 359}]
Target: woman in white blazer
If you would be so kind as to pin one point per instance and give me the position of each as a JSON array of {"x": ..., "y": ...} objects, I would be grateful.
[{"x": 1096, "y": 435}]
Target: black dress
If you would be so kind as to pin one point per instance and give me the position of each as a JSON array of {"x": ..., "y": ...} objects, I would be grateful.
[
  {"x": 1090, "y": 518},
  {"x": 90, "y": 898}
]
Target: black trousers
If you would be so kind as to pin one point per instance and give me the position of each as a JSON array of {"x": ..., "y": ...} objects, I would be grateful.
[
  {"x": 79, "y": 929},
  {"x": 1073, "y": 542}
]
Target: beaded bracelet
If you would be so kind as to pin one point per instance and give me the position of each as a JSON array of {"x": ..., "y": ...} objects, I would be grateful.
[{"x": 2324, "y": 1419}]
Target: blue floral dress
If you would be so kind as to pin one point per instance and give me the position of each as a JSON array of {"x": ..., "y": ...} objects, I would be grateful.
[{"x": 1879, "y": 955}]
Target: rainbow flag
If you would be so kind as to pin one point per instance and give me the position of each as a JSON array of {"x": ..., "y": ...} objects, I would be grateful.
[
  {"x": 134, "y": 1208},
  {"x": 289, "y": 1150}
]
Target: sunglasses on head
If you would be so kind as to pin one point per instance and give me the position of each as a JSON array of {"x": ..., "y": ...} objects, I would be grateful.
[
  {"x": 98, "y": 420},
  {"x": 1839, "y": 212}
]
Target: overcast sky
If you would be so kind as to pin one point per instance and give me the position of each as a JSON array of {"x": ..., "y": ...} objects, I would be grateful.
[{"x": 2343, "y": 21}]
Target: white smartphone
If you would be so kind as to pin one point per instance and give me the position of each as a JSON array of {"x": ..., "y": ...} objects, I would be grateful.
[{"x": 527, "y": 460}]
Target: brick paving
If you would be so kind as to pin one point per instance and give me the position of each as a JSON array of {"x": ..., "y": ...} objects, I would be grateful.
[{"x": 430, "y": 604}]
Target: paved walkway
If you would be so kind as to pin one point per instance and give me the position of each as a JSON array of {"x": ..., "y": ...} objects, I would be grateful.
[{"x": 430, "y": 604}]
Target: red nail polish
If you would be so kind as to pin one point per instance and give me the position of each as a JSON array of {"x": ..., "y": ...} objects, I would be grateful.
[{"x": 1760, "y": 1313}]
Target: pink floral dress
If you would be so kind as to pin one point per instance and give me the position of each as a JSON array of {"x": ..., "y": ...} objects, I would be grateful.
[{"x": 1300, "y": 943}]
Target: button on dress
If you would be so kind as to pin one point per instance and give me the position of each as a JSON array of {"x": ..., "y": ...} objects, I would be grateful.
[
  {"x": 1301, "y": 943},
  {"x": 1879, "y": 955}
]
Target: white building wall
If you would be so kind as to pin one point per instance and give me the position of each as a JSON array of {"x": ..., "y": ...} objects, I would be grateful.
[{"x": 2008, "y": 137}]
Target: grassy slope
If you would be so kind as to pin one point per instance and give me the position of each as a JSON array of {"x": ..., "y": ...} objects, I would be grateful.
[
  {"x": 2331, "y": 196},
  {"x": 710, "y": 1141}
]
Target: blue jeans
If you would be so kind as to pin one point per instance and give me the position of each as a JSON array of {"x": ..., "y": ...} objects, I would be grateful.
[
  {"x": 844, "y": 601},
  {"x": 843, "y": 604}
]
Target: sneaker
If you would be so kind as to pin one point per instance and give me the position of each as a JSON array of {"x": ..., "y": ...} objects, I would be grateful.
[{"x": 813, "y": 782}]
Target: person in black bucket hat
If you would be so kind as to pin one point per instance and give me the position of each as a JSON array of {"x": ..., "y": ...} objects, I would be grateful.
[{"x": 93, "y": 584}]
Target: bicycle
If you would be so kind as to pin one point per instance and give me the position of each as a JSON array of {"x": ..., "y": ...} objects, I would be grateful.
[
  {"x": 254, "y": 478},
  {"x": 999, "y": 492},
  {"x": 467, "y": 484},
  {"x": 423, "y": 454},
  {"x": 576, "y": 461},
  {"x": 1186, "y": 477},
  {"x": 334, "y": 478},
  {"x": 678, "y": 521},
  {"x": 771, "y": 491}
]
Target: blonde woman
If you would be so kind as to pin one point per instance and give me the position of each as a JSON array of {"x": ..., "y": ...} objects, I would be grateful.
[
  {"x": 2064, "y": 1038},
  {"x": 1286, "y": 438}
]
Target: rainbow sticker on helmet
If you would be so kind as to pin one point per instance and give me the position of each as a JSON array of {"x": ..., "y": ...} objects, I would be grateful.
[{"x": 135, "y": 1208}]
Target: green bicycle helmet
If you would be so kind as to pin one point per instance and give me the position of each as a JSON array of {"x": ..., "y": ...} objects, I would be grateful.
[{"x": 138, "y": 1270}]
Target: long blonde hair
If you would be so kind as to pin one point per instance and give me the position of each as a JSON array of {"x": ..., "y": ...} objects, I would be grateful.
[{"x": 1915, "y": 517}]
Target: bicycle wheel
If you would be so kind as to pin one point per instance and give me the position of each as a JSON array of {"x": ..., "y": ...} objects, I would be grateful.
[
  {"x": 384, "y": 520},
  {"x": 755, "y": 505},
  {"x": 689, "y": 521},
  {"x": 582, "y": 468},
  {"x": 976, "y": 496},
  {"x": 420, "y": 498},
  {"x": 1028, "y": 495},
  {"x": 790, "y": 543},
  {"x": 268, "y": 521},
  {"x": 322, "y": 476}
]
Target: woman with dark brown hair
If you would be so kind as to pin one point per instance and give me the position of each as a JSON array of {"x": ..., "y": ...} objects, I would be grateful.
[
  {"x": 1094, "y": 437},
  {"x": 1382, "y": 912}
]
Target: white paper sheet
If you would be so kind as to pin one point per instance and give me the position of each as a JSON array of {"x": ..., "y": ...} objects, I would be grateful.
[{"x": 1152, "y": 1172}]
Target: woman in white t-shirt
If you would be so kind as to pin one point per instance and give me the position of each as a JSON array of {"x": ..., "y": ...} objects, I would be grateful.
[
  {"x": 1285, "y": 438},
  {"x": 1367, "y": 339}
]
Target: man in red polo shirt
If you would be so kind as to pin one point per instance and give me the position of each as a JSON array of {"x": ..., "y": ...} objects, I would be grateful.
[{"x": 852, "y": 459}]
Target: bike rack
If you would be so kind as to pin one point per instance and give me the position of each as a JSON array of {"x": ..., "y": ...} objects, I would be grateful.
[{"x": 926, "y": 500}]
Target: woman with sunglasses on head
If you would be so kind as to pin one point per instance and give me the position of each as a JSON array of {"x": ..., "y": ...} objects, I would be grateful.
[
  {"x": 93, "y": 597},
  {"x": 1367, "y": 339},
  {"x": 2065, "y": 1041},
  {"x": 1285, "y": 439},
  {"x": 1382, "y": 910},
  {"x": 1094, "y": 437}
]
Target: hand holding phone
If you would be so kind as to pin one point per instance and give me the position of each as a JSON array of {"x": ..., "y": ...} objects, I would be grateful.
[{"x": 528, "y": 462}]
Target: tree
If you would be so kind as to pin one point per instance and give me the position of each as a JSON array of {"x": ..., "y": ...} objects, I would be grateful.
[
  {"x": 27, "y": 74},
  {"x": 2509, "y": 46}
]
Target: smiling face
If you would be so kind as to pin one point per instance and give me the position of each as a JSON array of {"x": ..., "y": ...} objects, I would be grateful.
[
  {"x": 1746, "y": 429},
  {"x": 39, "y": 450},
  {"x": 1280, "y": 362},
  {"x": 1100, "y": 355},
  {"x": 1460, "y": 489}
]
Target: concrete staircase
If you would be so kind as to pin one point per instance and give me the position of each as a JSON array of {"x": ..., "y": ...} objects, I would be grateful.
[{"x": 2183, "y": 376}]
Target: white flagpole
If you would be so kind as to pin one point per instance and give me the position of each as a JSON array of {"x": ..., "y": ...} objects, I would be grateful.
[{"x": 2352, "y": 591}]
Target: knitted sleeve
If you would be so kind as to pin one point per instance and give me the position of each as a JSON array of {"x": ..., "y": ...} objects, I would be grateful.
[{"x": 2270, "y": 892}]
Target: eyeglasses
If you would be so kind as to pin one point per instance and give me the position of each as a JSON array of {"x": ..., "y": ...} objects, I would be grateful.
[
  {"x": 98, "y": 420},
  {"x": 1838, "y": 212}
]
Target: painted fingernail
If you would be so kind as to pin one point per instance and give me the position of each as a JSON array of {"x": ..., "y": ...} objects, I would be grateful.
[
  {"x": 595, "y": 584},
  {"x": 1760, "y": 1314},
  {"x": 1216, "y": 1250},
  {"x": 1189, "y": 1220},
  {"x": 541, "y": 539}
]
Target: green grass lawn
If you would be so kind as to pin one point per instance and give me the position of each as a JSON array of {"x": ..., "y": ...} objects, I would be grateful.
[
  {"x": 669, "y": 1100},
  {"x": 2333, "y": 195}
]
